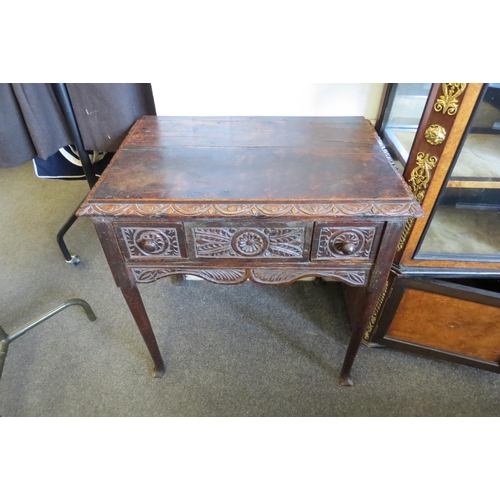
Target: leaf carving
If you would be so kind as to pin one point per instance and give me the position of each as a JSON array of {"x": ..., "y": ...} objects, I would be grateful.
[
  {"x": 271, "y": 276},
  {"x": 230, "y": 242},
  {"x": 340, "y": 209},
  {"x": 221, "y": 276}
]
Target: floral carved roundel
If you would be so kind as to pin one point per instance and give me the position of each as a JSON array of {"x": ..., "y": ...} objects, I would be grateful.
[{"x": 249, "y": 243}]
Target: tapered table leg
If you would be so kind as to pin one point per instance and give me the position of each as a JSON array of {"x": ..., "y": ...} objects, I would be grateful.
[
  {"x": 136, "y": 306},
  {"x": 374, "y": 289},
  {"x": 357, "y": 337}
]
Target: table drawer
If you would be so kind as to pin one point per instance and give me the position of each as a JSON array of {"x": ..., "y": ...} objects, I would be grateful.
[
  {"x": 340, "y": 242},
  {"x": 261, "y": 240},
  {"x": 152, "y": 242},
  {"x": 273, "y": 241}
]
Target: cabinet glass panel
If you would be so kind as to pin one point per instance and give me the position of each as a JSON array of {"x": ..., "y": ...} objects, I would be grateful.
[
  {"x": 402, "y": 116},
  {"x": 465, "y": 223}
]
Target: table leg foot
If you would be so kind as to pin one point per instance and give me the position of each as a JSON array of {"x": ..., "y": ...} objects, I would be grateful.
[
  {"x": 139, "y": 313},
  {"x": 357, "y": 338},
  {"x": 346, "y": 381},
  {"x": 158, "y": 372},
  {"x": 345, "y": 373}
]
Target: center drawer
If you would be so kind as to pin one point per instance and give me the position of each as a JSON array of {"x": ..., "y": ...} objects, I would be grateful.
[{"x": 260, "y": 240}]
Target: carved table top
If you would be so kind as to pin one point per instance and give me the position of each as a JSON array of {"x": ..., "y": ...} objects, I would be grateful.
[{"x": 251, "y": 166}]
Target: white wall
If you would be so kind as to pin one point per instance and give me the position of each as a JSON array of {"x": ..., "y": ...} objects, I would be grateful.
[{"x": 268, "y": 99}]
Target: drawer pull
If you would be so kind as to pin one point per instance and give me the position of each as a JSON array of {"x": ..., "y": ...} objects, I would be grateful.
[
  {"x": 347, "y": 248},
  {"x": 337, "y": 242},
  {"x": 149, "y": 244}
]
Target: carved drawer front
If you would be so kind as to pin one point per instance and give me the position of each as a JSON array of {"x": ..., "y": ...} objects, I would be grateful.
[
  {"x": 151, "y": 242},
  {"x": 345, "y": 242},
  {"x": 267, "y": 241}
]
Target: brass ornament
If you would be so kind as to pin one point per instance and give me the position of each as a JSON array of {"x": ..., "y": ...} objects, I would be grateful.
[
  {"x": 421, "y": 175},
  {"x": 419, "y": 180},
  {"x": 435, "y": 135},
  {"x": 448, "y": 103},
  {"x": 406, "y": 231},
  {"x": 376, "y": 312}
]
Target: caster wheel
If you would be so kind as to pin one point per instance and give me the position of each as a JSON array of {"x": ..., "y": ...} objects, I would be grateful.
[{"x": 75, "y": 260}]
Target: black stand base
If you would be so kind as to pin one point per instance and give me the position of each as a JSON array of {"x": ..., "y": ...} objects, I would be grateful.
[
  {"x": 70, "y": 259},
  {"x": 6, "y": 339}
]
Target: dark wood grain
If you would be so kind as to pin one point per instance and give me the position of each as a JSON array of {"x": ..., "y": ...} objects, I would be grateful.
[
  {"x": 126, "y": 282},
  {"x": 136, "y": 306},
  {"x": 271, "y": 200},
  {"x": 380, "y": 274},
  {"x": 322, "y": 160}
]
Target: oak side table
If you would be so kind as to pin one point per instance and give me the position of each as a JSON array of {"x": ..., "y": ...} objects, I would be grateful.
[{"x": 267, "y": 199}]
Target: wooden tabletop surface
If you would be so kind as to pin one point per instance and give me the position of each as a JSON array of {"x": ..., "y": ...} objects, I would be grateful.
[{"x": 250, "y": 159}]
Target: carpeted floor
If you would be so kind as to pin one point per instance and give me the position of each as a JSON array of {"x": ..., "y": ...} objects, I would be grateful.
[{"x": 243, "y": 350}]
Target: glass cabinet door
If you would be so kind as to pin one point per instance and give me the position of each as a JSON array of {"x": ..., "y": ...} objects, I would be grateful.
[
  {"x": 403, "y": 112},
  {"x": 465, "y": 222}
]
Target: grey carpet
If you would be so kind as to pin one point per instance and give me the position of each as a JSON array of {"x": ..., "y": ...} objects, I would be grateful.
[{"x": 244, "y": 350}]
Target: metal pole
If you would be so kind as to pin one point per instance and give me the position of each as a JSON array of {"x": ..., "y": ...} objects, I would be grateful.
[
  {"x": 62, "y": 95},
  {"x": 64, "y": 100}
]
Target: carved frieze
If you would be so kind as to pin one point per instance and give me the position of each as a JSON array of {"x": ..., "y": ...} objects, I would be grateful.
[
  {"x": 263, "y": 276},
  {"x": 345, "y": 243},
  {"x": 247, "y": 242},
  {"x": 220, "y": 276},
  {"x": 149, "y": 275},
  {"x": 278, "y": 277},
  {"x": 409, "y": 209},
  {"x": 145, "y": 242}
]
